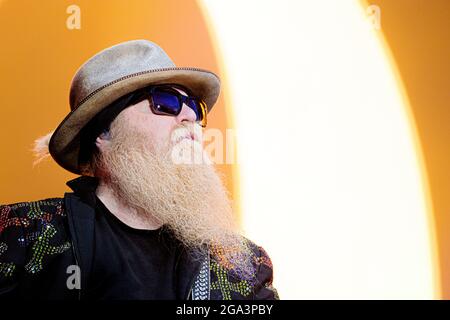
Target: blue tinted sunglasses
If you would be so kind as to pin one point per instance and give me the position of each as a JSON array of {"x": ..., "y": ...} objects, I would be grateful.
[{"x": 164, "y": 100}]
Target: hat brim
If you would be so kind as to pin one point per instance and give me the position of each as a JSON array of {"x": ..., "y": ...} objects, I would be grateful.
[{"x": 64, "y": 144}]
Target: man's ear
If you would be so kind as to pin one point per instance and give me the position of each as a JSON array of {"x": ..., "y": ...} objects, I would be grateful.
[
  {"x": 102, "y": 139},
  {"x": 105, "y": 135}
]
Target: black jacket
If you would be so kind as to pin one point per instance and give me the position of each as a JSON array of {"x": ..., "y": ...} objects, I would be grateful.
[{"x": 46, "y": 252}]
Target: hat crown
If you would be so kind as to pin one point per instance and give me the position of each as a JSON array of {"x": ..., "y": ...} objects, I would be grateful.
[{"x": 114, "y": 63}]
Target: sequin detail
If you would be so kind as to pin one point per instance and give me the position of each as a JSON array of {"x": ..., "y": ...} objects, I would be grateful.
[
  {"x": 6, "y": 221},
  {"x": 42, "y": 248},
  {"x": 24, "y": 241},
  {"x": 37, "y": 213},
  {"x": 247, "y": 272},
  {"x": 225, "y": 286},
  {"x": 220, "y": 254},
  {"x": 7, "y": 268}
]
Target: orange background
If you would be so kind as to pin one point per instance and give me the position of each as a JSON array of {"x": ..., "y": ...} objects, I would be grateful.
[
  {"x": 417, "y": 32},
  {"x": 39, "y": 56}
]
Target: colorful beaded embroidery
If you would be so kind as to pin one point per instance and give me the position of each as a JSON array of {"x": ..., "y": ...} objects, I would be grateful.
[
  {"x": 225, "y": 286},
  {"x": 40, "y": 240},
  {"x": 6, "y": 221},
  {"x": 6, "y": 268},
  {"x": 37, "y": 213},
  {"x": 24, "y": 241},
  {"x": 42, "y": 248},
  {"x": 224, "y": 260}
]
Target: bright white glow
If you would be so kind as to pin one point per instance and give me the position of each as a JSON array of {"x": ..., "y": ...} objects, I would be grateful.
[{"x": 330, "y": 181}]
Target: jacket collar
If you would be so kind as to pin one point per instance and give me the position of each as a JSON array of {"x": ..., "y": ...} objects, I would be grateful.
[
  {"x": 85, "y": 187},
  {"x": 80, "y": 207}
]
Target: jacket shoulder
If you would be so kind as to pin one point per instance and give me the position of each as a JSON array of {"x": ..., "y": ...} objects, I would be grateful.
[
  {"x": 29, "y": 232},
  {"x": 43, "y": 209},
  {"x": 17, "y": 220}
]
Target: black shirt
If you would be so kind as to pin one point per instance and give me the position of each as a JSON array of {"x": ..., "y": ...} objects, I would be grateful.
[{"x": 131, "y": 263}]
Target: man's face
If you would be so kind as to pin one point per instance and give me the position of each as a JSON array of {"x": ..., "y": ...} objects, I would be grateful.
[{"x": 159, "y": 128}]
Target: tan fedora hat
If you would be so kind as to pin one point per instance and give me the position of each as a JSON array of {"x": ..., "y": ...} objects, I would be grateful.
[{"x": 112, "y": 73}]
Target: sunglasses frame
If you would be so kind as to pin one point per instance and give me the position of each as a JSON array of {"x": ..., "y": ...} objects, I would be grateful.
[{"x": 181, "y": 99}]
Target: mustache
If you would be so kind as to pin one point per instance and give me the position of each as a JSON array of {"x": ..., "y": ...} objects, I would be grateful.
[{"x": 187, "y": 130}]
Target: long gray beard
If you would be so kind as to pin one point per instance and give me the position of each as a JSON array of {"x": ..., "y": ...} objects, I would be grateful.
[{"x": 189, "y": 199}]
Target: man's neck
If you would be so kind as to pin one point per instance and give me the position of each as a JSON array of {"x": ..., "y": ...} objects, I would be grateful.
[{"x": 124, "y": 213}]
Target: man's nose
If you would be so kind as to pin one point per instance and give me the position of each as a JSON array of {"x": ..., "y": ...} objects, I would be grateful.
[{"x": 186, "y": 114}]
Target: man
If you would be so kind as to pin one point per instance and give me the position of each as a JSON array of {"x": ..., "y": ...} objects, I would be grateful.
[{"x": 146, "y": 219}]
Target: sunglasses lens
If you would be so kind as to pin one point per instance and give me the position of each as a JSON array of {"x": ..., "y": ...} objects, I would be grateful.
[
  {"x": 199, "y": 108},
  {"x": 166, "y": 102},
  {"x": 195, "y": 105}
]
